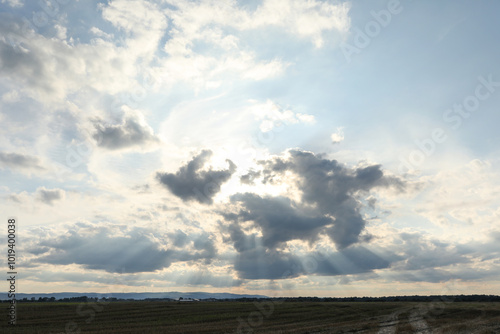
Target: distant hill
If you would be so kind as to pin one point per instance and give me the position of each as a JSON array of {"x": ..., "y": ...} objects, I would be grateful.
[{"x": 133, "y": 295}]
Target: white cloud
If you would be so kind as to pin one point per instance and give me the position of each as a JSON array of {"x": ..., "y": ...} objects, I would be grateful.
[
  {"x": 61, "y": 32},
  {"x": 99, "y": 33},
  {"x": 273, "y": 116},
  {"x": 338, "y": 136},
  {"x": 51, "y": 68},
  {"x": 461, "y": 201},
  {"x": 305, "y": 118},
  {"x": 305, "y": 19},
  {"x": 217, "y": 28},
  {"x": 143, "y": 22},
  {"x": 13, "y": 3}
]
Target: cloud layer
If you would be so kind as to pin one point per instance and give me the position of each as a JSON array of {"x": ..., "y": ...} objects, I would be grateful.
[
  {"x": 116, "y": 249},
  {"x": 329, "y": 204},
  {"x": 179, "y": 144}
]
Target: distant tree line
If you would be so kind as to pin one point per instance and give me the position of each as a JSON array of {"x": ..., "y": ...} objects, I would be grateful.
[
  {"x": 83, "y": 299},
  {"x": 68, "y": 299},
  {"x": 416, "y": 298}
]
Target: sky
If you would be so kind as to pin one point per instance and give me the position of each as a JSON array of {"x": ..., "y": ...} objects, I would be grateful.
[{"x": 274, "y": 147}]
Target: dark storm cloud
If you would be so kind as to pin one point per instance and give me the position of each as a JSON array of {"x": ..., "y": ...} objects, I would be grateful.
[
  {"x": 257, "y": 261},
  {"x": 49, "y": 196},
  {"x": 190, "y": 182},
  {"x": 354, "y": 260},
  {"x": 205, "y": 246},
  {"x": 329, "y": 205},
  {"x": 329, "y": 191},
  {"x": 332, "y": 188},
  {"x": 240, "y": 240},
  {"x": 254, "y": 261},
  {"x": 262, "y": 263},
  {"x": 278, "y": 219},
  {"x": 131, "y": 132},
  {"x": 138, "y": 251},
  {"x": 15, "y": 160},
  {"x": 412, "y": 258}
]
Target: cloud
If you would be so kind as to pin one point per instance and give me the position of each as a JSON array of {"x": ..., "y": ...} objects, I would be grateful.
[
  {"x": 190, "y": 182},
  {"x": 326, "y": 203},
  {"x": 446, "y": 202},
  {"x": 118, "y": 249},
  {"x": 353, "y": 260},
  {"x": 445, "y": 275},
  {"x": 424, "y": 253},
  {"x": 27, "y": 61},
  {"x": 249, "y": 177},
  {"x": 49, "y": 196},
  {"x": 207, "y": 278},
  {"x": 99, "y": 33},
  {"x": 143, "y": 22},
  {"x": 209, "y": 39},
  {"x": 278, "y": 218},
  {"x": 308, "y": 20},
  {"x": 13, "y": 3},
  {"x": 132, "y": 132},
  {"x": 410, "y": 257},
  {"x": 50, "y": 68},
  {"x": 16, "y": 160},
  {"x": 179, "y": 238},
  {"x": 134, "y": 253},
  {"x": 304, "y": 19},
  {"x": 255, "y": 261},
  {"x": 261, "y": 263},
  {"x": 273, "y": 116},
  {"x": 14, "y": 198},
  {"x": 332, "y": 189},
  {"x": 338, "y": 137}
]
